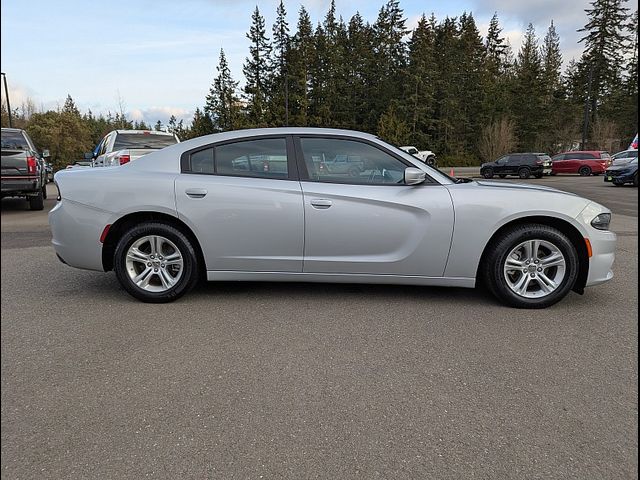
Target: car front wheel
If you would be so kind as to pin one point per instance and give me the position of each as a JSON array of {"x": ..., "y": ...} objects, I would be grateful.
[
  {"x": 156, "y": 262},
  {"x": 531, "y": 266}
]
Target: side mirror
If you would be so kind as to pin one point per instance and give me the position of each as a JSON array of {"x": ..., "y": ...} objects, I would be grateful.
[
  {"x": 88, "y": 155},
  {"x": 45, "y": 154},
  {"x": 414, "y": 176}
]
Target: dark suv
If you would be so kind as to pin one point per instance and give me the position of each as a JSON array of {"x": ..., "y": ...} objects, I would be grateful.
[{"x": 521, "y": 164}]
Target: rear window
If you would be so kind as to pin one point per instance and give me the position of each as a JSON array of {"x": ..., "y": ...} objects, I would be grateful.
[
  {"x": 605, "y": 155},
  {"x": 143, "y": 140},
  {"x": 14, "y": 140},
  {"x": 544, "y": 158}
]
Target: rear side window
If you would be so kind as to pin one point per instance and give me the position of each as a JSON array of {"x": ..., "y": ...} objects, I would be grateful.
[
  {"x": 14, "y": 140},
  {"x": 143, "y": 141},
  {"x": 265, "y": 158},
  {"x": 544, "y": 158},
  {"x": 585, "y": 156}
]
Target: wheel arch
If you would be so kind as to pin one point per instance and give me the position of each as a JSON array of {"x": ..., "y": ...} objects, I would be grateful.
[
  {"x": 121, "y": 225},
  {"x": 574, "y": 235}
]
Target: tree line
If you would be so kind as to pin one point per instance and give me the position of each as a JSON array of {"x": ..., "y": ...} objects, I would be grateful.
[{"x": 442, "y": 86}]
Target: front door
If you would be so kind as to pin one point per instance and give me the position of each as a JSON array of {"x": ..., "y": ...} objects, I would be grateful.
[
  {"x": 371, "y": 222},
  {"x": 244, "y": 205}
]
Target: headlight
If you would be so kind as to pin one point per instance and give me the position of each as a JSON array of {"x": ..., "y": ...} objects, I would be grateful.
[{"x": 602, "y": 221}]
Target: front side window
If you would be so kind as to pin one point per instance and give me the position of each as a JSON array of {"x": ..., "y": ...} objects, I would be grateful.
[{"x": 348, "y": 161}]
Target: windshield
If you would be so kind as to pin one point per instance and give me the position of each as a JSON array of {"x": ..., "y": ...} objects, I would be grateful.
[
  {"x": 626, "y": 154},
  {"x": 145, "y": 140},
  {"x": 14, "y": 140}
]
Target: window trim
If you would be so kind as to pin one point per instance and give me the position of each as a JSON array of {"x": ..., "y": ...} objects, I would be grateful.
[
  {"x": 304, "y": 173},
  {"x": 292, "y": 168}
]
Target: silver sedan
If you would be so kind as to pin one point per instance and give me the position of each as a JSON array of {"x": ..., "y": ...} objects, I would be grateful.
[{"x": 267, "y": 205}]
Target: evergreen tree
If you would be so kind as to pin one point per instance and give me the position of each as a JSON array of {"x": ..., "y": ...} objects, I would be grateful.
[
  {"x": 223, "y": 106},
  {"x": 528, "y": 93},
  {"x": 299, "y": 70},
  {"x": 200, "y": 125},
  {"x": 279, "y": 99},
  {"x": 257, "y": 71}
]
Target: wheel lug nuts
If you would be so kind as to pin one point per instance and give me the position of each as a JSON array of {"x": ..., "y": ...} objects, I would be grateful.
[
  {"x": 149, "y": 264},
  {"x": 155, "y": 269},
  {"x": 533, "y": 274},
  {"x": 539, "y": 269},
  {"x": 163, "y": 266},
  {"x": 536, "y": 261}
]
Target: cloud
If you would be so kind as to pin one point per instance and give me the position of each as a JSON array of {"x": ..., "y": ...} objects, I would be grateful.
[{"x": 152, "y": 114}]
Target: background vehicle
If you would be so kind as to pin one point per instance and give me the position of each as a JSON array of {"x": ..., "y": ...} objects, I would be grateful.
[
  {"x": 122, "y": 146},
  {"x": 49, "y": 171},
  {"x": 427, "y": 156},
  {"x": 80, "y": 164},
  {"x": 521, "y": 164},
  {"x": 622, "y": 172},
  {"x": 205, "y": 206},
  {"x": 340, "y": 164},
  {"x": 23, "y": 169},
  {"x": 624, "y": 157},
  {"x": 583, "y": 163}
]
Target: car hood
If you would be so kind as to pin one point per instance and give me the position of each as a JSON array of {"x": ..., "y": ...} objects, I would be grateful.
[
  {"x": 521, "y": 186},
  {"x": 621, "y": 166}
]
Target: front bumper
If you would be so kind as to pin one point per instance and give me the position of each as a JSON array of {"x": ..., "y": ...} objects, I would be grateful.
[
  {"x": 617, "y": 176},
  {"x": 603, "y": 245},
  {"x": 76, "y": 231}
]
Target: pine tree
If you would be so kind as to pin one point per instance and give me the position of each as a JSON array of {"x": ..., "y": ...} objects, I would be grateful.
[
  {"x": 603, "y": 57},
  {"x": 158, "y": 126},
  {"x": 554, "y": 97},
  {"x": 70, "y": 107},
  {"x": 200, "y": 125},
  {"x": 223, "y": 106},
  {"x": 528, "y": 94},
  {"x": 279, "y": 98},
  {"x": 257, "y": 71},
  {"x": 420, "y": 82},
  {"x": 300, "y": 58}
]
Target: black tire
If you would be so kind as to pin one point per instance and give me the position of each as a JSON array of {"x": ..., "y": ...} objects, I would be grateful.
[
  {"x": 354, "y": 172},
  {"x": 524, "y": 172},
  {"x": 496, "y": 255},
  {"x": 584, "y": 171},
  {"x": 44, "y": 191},
  {"x": 191, "y": 266},
  {"x": 635, "y": 180},
  {"x": 487, "y": 173},
  {"x": 36, "y": 202},
  {"x": 502, "y": 175},
  {"x": 431, "y": 161}
]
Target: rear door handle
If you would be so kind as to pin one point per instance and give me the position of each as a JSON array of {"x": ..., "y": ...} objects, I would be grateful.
[
  {"x": 196, "y": 192},
  {"x": 321, "y": 203}
]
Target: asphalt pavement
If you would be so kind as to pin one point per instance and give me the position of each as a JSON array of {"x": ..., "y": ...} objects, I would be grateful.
[{"x": 259, "y": 380}]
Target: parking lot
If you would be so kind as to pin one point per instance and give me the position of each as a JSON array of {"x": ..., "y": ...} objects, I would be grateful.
[{"x": 259, "y": 380}]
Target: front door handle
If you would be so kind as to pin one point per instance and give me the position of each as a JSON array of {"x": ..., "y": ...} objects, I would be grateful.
[
  {"x": 321, "y": 203},
  {"x": 196, "y": 192}
]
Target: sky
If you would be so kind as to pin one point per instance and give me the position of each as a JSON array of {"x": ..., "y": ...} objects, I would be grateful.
[{"x": 158, "y": 58}]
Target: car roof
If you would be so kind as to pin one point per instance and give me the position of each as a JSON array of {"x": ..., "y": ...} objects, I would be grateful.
[
  {"x": 145, "y": 132},
  {"x": 582, "y": 151},
  {"x": 527, "y": 153},
  {"x": 9, "y": 129}
]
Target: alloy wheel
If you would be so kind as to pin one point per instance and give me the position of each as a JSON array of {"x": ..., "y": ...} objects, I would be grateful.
[
  {"x": 534, "y": 268},
  {"x": 154, "y": 263}
]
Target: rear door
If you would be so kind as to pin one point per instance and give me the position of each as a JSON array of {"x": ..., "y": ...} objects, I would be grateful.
[
  {"x": 244, "y": 202},
  {"x": 371, "y": 223}
]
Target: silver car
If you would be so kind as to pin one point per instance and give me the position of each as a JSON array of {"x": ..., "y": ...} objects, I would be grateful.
[{"x": 256, "y": 205}]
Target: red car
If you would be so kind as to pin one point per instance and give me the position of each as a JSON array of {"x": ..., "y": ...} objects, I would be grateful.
[{"x": 584, "y": 163}]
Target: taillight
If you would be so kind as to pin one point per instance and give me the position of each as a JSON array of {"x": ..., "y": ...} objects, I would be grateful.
[
  {"x": 31, "y": 165},
  {"x": 124, "y": 159}
]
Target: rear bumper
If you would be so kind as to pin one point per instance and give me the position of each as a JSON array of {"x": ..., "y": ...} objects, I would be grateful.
[
  {"x": 76, "y": 231},
  {"x": 19, "y": 186}
]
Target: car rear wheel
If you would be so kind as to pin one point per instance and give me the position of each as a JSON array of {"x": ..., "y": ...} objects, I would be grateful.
[
  {"x": 531, "y": 266},
  {"x": 156, "y": 263},
  {"x": 36, "y": 202},
  {"x": 487, "y": 173},
  {"x": 584, "y": 171},
  {"x": 431, "y": 161},
  {"x": 524, "y": 172}
]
